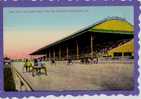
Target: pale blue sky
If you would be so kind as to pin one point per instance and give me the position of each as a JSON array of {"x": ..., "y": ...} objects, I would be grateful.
[
  {"x": 35, "y": 30},
  {"x": 89, "y": 15}
]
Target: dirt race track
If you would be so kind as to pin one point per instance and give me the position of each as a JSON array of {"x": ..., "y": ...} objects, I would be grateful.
[{"x": 116, "y": 76}]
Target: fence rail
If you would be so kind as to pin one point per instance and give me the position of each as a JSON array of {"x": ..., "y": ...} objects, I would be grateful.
[{"x": 20, "y": 82}]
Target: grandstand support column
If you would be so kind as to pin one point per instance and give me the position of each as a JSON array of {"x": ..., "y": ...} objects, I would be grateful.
[
  {"x": 54, "y": 53},
  {"x": 92, "y": 45},
  {"x": 67, "y": 51},
  {"x": 49, "y": 55},
  {"x": 60, "y": 58},
  {"x": 77, "y": 50}
]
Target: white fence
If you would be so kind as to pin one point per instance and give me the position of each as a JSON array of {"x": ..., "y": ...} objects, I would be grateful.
[{"x": 20, "y": 83}]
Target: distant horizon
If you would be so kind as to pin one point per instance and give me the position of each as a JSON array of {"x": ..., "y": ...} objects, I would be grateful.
[{"x": 39, "y": 27}]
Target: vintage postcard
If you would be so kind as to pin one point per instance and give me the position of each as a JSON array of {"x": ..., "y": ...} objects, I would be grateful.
[{"x": 77, "y": 47}]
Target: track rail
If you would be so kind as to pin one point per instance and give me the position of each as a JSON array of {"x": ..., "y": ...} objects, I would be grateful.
[{"x": 20, "y": 82}]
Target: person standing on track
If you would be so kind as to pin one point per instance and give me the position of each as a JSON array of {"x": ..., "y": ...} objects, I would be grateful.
[{"x": 27, "y": 65}]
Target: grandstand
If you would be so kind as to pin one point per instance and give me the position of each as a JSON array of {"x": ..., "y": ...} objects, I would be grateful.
[{"x": 111, "y": 37}]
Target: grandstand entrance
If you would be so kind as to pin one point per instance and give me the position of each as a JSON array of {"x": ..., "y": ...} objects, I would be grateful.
[
  {"x": 117, "y": 54},
  {"x": 128, "y": 54}
]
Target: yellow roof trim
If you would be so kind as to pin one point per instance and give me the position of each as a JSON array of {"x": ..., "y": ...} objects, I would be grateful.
[{"x": 114, "y": 25}]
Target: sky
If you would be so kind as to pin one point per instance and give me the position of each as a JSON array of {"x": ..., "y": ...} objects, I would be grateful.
[{"x": 28, "y": 29}]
